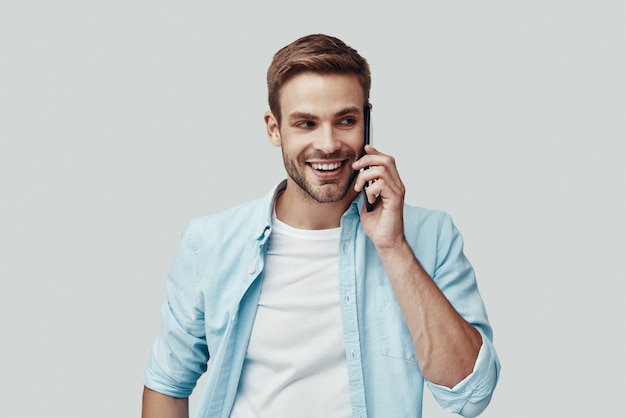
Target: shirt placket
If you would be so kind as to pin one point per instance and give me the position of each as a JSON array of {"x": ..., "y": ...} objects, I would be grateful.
[{"x": 349, "y": 312}]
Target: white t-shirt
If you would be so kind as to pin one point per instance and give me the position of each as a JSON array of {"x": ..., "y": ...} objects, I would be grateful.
[{"x": 295, "y": 365}]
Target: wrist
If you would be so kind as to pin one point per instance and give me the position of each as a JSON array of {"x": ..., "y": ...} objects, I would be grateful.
[{"x": 397, "y": 248}]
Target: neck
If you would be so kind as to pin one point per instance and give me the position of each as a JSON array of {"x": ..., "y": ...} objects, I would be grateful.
[{"x": 306, "y": 213}]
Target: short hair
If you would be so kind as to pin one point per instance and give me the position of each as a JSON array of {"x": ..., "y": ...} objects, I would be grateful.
[{"x": 317, "y": 53}]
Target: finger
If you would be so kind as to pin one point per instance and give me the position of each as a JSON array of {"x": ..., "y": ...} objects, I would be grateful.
[
  {"x": 365, "y": 159},
  {"x": 383, "y": 180},
  {"x": 366, "y": 176}
]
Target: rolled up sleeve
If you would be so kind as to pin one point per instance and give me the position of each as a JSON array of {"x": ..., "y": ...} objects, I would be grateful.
[
  {"x": 471, "y": 396},
  {"x": 179, "y": 355}
]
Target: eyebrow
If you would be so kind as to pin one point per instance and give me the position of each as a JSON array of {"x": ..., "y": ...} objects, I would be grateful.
[
  {"x": 348, "y": 110},
  {"x": 301, "y": 115},
  {"x": 310, "y": 116}
]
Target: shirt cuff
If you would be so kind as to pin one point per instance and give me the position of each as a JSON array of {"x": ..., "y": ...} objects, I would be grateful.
[{"x": 471, "y": 395}]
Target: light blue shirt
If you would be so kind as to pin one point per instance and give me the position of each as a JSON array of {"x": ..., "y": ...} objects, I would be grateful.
[{"x": 213, "y": 288}]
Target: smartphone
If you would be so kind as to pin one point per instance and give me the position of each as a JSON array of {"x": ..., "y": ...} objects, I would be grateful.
[{"x": 367, "y": 129}]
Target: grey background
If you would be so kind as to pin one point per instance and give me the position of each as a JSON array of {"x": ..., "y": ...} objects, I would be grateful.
[{"x": 121, "y": 120}]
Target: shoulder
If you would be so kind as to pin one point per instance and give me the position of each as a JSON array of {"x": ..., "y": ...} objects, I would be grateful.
[
  {"x": 430, "y": 227},
  {"x": 236, "y": 220},
  {"x": 425, "y": 218},
  {"x": 251, "y": 217}
]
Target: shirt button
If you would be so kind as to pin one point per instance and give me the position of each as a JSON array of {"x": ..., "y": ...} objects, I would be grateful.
[
  {"x": 347, "y": 298},
  {"x": 251, "y": 270}
]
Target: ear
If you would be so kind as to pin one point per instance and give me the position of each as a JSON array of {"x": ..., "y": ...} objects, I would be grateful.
[{"x": 273, "y": 132}]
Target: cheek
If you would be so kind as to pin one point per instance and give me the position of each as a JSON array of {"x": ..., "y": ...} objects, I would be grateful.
[
  {"x": 296, "y": 145},
  {"x": 356, "y": 142},
  {"x": 290, "y": 152}
]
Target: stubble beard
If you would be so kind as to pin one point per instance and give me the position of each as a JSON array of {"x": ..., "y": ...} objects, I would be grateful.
[{"x": 327, "y": 192}]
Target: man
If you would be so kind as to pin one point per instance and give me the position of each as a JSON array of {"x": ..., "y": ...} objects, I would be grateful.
[{"x": 307, "y": 303}]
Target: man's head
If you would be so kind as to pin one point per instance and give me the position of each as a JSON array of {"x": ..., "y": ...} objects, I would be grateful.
[{"x": 315, "y": 53}]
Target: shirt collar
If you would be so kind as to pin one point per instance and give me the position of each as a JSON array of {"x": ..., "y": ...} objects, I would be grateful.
[{"x": 269, "y": 202}]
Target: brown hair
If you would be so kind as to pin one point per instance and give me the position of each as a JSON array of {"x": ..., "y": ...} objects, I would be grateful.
[{"x": 316, "y": 53}]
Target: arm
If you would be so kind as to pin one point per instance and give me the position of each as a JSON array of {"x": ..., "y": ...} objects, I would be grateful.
[
  {"x": 157, "y": 405},
  {"x": 179, "y": 355},
  {"x": 446, "y": 345}
]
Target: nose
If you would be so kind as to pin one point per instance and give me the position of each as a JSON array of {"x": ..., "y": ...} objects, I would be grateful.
[{"x": 327, "y": 140}]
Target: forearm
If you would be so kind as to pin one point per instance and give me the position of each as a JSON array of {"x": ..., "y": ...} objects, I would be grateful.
[
  {"x": 445, "y": 344},
  {"x": 158, "y": 405}
]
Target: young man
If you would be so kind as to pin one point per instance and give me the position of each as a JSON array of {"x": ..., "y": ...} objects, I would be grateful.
[{"x": 308, "y": 304}]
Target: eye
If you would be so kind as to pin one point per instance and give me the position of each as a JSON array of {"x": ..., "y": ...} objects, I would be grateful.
[
  {"x": 349, "y": 121},
  {"x": 305, "y": 124}
]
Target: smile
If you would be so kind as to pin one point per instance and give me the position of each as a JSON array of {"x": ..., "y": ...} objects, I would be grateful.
[{"x": 326, "y": 167}]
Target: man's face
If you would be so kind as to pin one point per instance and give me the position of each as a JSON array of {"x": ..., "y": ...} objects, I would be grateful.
[{"x": 321, "y": 133}]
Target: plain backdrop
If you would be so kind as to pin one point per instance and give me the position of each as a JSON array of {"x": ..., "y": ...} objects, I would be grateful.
[{"x": 122, "y": 120}]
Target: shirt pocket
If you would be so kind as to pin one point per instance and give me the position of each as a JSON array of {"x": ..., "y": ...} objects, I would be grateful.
[{"x": 394, "y": 336}]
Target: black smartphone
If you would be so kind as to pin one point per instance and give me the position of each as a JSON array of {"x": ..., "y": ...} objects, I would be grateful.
[{"x": 367, "y": 129}]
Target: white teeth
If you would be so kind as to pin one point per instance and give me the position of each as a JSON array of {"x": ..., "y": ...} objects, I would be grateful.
[{"x": 326, "y": 167}]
